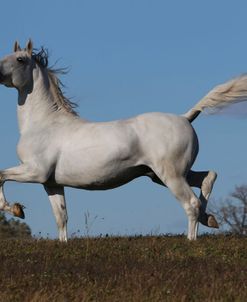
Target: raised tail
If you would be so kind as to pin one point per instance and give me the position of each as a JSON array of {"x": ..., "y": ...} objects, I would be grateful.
[{"x": 231, "y": 92}]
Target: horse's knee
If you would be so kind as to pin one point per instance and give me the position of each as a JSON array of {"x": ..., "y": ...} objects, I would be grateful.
[
  {"x": 192, "y": 208},
  {"x": 195, "y": 203}
]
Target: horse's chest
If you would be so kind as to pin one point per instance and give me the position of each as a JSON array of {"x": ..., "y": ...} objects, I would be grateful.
[{"x": 34, "y": 147}]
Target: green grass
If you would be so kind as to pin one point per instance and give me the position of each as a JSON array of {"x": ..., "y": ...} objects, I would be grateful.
[{"x": 162, "y": 268}]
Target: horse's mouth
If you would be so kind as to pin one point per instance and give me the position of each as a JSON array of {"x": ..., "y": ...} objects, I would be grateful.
[
  {"x": 1, "y": 78},
  {"x": 4, "y": 80}
]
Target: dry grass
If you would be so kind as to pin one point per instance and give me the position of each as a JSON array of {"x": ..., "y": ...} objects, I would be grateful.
[{"x": 125, "y": 269}]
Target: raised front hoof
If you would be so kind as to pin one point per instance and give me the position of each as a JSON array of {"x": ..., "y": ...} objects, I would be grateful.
[
  {"x": 212, "y": 222},
  {"x": 17, "y": 210}
]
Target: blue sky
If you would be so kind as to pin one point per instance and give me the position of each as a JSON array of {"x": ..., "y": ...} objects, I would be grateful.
[{"x": 125, "y": 58}]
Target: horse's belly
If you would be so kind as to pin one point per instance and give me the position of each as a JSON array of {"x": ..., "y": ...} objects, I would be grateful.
[
  {"x": 100, "y": 181},
  {"x": 104, "y": 160}
]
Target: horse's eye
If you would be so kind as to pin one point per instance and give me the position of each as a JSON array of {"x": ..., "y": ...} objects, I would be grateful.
[{"x": 20, "y": 59}]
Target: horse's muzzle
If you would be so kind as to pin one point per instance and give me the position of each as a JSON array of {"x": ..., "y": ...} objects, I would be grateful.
[{"x": 1, "y": 77}]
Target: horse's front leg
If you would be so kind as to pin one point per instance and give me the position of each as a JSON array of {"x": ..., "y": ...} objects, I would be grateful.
[
  {"x": 30, "y": 172},
  {"x": 22, "y": 173},
  {"x": 57, "y": 199},
  {"x": 15, "y": 209}
]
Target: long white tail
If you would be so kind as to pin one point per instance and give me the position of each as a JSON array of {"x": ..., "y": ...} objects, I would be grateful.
[{"x": 233, "y": 91}]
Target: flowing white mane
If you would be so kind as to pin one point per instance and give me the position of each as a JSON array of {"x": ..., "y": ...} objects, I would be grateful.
[{"x": 61, "y": 101}]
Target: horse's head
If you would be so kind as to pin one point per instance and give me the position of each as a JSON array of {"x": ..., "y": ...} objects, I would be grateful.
[{"x": 16, "y": 68}]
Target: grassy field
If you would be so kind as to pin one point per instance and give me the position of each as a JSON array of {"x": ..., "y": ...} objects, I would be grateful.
[{"x": 162, "y": 268}]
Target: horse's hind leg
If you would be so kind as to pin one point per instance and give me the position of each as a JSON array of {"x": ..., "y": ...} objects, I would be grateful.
[
  {"x": 182, "y": 191},
  {"x": 57, "y": 199},
  {"x": 191, "y": 204},
  {"x": 205, "y": 181}
]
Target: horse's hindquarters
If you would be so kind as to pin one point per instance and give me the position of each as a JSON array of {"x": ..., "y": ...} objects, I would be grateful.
[{"x": 169, "y": 143}]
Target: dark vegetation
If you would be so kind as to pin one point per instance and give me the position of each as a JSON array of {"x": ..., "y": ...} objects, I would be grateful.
[
  {"x": 161, "y": 268},
  {"x": 13, "y": 228},
  {"x": 232, "y": 212}
]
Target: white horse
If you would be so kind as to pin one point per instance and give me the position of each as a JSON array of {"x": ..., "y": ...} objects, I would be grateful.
[{"x": 58, "y": 149}]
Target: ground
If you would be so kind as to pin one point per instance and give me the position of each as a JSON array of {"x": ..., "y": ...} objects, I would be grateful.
[{"x": 149, "y": 268}]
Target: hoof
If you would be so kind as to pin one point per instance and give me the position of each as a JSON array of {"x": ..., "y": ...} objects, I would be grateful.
[
  {"x": 212, "y": 222},
  {"x": 208, "y": 220},
  {"x": 17, "y": 210}
]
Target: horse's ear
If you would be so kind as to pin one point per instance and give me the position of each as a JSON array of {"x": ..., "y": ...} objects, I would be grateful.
[
  {"x": 29, "y": 47},
  {"x": 17, "y": 46}
]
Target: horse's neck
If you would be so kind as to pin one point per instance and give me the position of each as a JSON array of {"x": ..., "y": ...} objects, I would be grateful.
[{"x": 35, "y": 108}]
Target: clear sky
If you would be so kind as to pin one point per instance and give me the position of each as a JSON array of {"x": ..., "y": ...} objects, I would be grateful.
[{"x": 125, "y": 58}]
